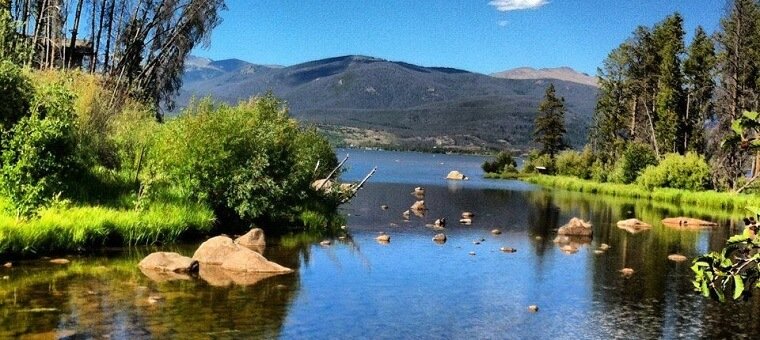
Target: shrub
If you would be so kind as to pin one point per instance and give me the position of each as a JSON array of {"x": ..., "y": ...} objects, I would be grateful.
[
  {"x": 574, "y": 163},
  {"x": 502, "y": 163},
  {"x": 16, "y": 92},
  {"x": 249, "y": 162},
  {"x": 40, "y": 153},
  {"x": 599, "y": 171},
  {"x": 635, "y": 158},
  {"x": 536, "y": 159},
  {"x": 689, "y": 172}
]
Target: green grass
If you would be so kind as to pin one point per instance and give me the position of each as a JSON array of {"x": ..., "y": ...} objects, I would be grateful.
[
  {"x": 702, "y": 199},
  {"x": 85, "y": 227},
  {"x": 509, "y": 175}
]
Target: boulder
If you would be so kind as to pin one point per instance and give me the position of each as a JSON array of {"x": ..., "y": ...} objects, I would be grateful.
[
  {"x": 604, "y": 246},
  {"x": 569, "y": 249},
  {"x": 440, "y": 223},
  {"x": 325, "y": 243},
  {"x": 465, "y": 221},
  {"x": 456, "y": 175},
  {"x": 633, "y": 225},
  {"x": 218, "y": 277},
  {"x": 253, "y": 239},
  {"x": 169, "y": 262},
  {"x": 496, "y": 232},
  {"x": 384, "y": 207},
  {"x": 439, "y": 238},
  {"x": 405, "y": 214},
  {"x": 576, "y": 227},
  {"x": 419, "y": 191},
  {"x": 384, "y": 238},
  {"x": 627, "y": 272},
  {"x": 677, "y": 258},
  {"x": 687, "y": 222},
  {"x": 215, "y": 250},
  {"x": 246, "y": 260},
  {"x": 60, "y": 261},
  {"x": 533, "y": 308},
  {"x": 467, "y": 214},
  {"x": 418, "y": 206},
  {"x": 508, "y": 249}
]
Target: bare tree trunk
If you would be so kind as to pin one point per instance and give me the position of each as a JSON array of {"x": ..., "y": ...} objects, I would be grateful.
[
  {"x": 75, "y": 31},
  {"x": 654, "y": 136},
  {"x": 96, "y": 45},
  {"x": 108, "y": 37}
]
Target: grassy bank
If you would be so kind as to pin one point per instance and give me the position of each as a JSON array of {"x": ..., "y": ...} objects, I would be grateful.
[{"x": 701, "y": 199}]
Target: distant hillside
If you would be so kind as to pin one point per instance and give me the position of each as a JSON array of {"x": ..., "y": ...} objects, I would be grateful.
[
  {"x": 561, "y": 73},
  {"x": 368, "y": 101}
]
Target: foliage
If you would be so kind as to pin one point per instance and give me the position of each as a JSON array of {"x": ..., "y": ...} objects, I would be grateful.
[
  {"x": 40, "y": 154},
  {"x": 735, "y": 270},
  {"x": 574, "y": 163},
  {"x": 536, "y": 159},
  {"x": 599, "y": 171},
  {"x": 635, "y": 158},
  {"x": 502, "y": 163},
  {"x": 698, "y": 71},
  {"x": 689, "y": 172},
  {"x": 12, "y": 45},
  {"x": 248, "y": 162},
  {"x": 550, "y": 123},
  {"x": 16, "y": 92}
]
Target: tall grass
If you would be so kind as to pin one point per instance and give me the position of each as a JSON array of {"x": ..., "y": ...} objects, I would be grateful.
[{"x": 703, "y": 199}]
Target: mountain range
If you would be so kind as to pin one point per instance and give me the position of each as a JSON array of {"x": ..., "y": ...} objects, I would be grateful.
[{"x": 366, "y": 101}]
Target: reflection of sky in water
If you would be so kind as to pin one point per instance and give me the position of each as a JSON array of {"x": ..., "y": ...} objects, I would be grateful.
[{"x": 413, "y": 287}]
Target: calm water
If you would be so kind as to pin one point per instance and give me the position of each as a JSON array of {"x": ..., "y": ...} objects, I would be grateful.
[{"x": 412, "y": 287}]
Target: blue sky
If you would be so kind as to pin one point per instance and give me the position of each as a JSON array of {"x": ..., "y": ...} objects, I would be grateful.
[{"x": 483, "y": 36}]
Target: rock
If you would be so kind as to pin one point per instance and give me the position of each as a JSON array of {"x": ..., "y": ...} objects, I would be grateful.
[
  {"x": 419, "y": 191},
  {"x": 627, "y": 272},
  {"x": 687, "y": 222},
  {"x": 476, "y": 242},
  {"x": 539, "y": 238},
  {"x": 496, "y": 232},
  {"x": 155, "y": 298},
  {"x": 164, "y": 276},
  {"x": 8, "y": 265},
  {"x": 418, "y": 206},
  {"x": 508, "y": 249},
  {"x": 440, "y": 223},
  {"x": 472, "y": 253},
  {"x": 384, "y": 207},
  {"x": 533, "y": 308},
  {"x": 456, "y": 175},
  {"x": 604, "y": 246},
  {"x": 569, "y": 249},
  {"x": 677, "y": 257},
  {"x": 246, "y": 260},
  {"x": 405, "y": 214},
  {"x": 576, "y": 227},
  {"x": 215, "y": 250},
  {"x": 169, "y": 262},
  {"x": 254, "y": 240},
  {"x": 598, "y": 251},
  {"x": 439, "y": 238},
  {"x": 325, "y": 243},
  {"x": 633, "y": 225},
  {"x": 467, "y": 214},
  {"x": 384, "y": 238},
  {"x": 60, "y": 261},
  {"x": 465, "y": 221}
]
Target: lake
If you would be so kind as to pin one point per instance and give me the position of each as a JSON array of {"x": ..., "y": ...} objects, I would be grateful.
[{"x": 412, "y": 287}]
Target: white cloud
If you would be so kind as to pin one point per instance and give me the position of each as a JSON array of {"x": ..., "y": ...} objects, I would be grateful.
[
  {"x": 514, "y": 5},
  {"x": 502, "y": 23}
]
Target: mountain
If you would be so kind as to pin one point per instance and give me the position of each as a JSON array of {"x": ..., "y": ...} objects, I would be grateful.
[
  {"x": 560, "y": 73},
  {"x": 369, "y": 101}
]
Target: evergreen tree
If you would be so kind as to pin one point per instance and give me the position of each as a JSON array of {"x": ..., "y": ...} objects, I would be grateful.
[
  {"x": 613, "y": 123},
  {"x": 668, "y": 39},
  {"x": 550, "y": 123},
  {"x": 698, "y": 72}
]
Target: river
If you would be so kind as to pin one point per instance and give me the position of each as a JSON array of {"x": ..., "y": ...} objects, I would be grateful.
[{"x": 411, "y": 287}]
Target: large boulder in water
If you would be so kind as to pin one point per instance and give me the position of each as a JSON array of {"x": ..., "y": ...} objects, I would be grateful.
[
  {"x": 254, "y": 240},
  {"x": 168, "y": 262},
  {"x": 418, "y": 206},
  {"x": 576, "y": 227},
  {"x": 456, "y": 175},
  {"x": 687, "y": 222},
  {"x": 633, "y": 225},
  {"x": 247, "y": 261},
  {"x": 215, "y": 250}
]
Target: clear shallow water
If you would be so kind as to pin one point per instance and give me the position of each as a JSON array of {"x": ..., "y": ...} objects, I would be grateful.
[{"x": 411, "y": 287}]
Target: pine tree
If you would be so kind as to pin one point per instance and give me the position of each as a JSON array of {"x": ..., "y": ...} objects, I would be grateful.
[
  {"x": 668, "y": 39},
  {"x": 613, "y": 123},
  {"x": 550, "y": 123},
  {"x": 698, "y": 72}
]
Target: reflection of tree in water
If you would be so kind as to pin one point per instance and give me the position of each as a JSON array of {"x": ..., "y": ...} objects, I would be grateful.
[
  {"x": 543, "y": 219},
  {"x": 99, "y": 297}
]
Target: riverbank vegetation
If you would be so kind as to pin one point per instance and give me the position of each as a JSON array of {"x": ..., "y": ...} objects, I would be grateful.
[{"x": 88, "y": 158}]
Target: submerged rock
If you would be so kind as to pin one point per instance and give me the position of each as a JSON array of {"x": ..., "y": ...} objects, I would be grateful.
[
  {"x": 440, "y": 223},
  {"x": 576, "y": 227},
  {"x": 465, "y": 221},
  {"x": 633, "y": 225},
  {"x": 405, "y": 214},
  {"x": 384, "y": 238},
  {"x": 439, "y": 238},
  {"x": 627, "y": 272},
  {"x": 8, "y": 265},
  {"x": 418, "y": 206},
  {"x": 246, "y": 260},
  {"x": 384, "y": 207},
  {"x": 496, "y": 232},
  {"x": 604, "y": 246},
  {"x": 419, "y": 191},
  {"x": 254, "y": 240},
  {"x": 169, "y": 262},
  {"x": 677, "y": 257},
  {"x": 533, "y": 308},
  {"x": 687, "y": 222},
  {"x": 508, "y": 249},
  {"x": 325, "y": 243},
  {"x": 467, "y": 214},
  {"x": 60, "y": 261}
]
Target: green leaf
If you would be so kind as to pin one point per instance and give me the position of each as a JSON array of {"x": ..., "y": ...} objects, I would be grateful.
[
  {"x": 738, "y": 286},
  {"x": 705, "y": 289},
  {"x": 754, "y": 210},
  {"x": 737, "y": 127},
  {"x": 751, "y": 115}
]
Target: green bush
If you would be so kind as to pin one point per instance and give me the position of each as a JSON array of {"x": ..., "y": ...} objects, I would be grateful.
[
  {"x": 536, "y": 159},
  {"x": 502, "y": 163},
  {"x": 599, "y": 171},
  {"x": 16, "y": 92},
  {"x": 41, "y": 152},
  {"x": 248, "y": 162},
  {"x": 689, "y": 172},
  {"x": 635, "y": 158},
  {"x": 574, "y": 163}
]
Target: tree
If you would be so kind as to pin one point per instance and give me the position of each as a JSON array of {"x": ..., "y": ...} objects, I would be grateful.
[
  {"x": 612, "y": 125},
  {"x": 550, "y": 123},
  {"x": 699, "y": 68},
  {"x": 668, "y": 41}
]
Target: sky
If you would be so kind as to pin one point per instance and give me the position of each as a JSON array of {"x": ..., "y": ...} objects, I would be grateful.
[{"x": 484, "y": 36}]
